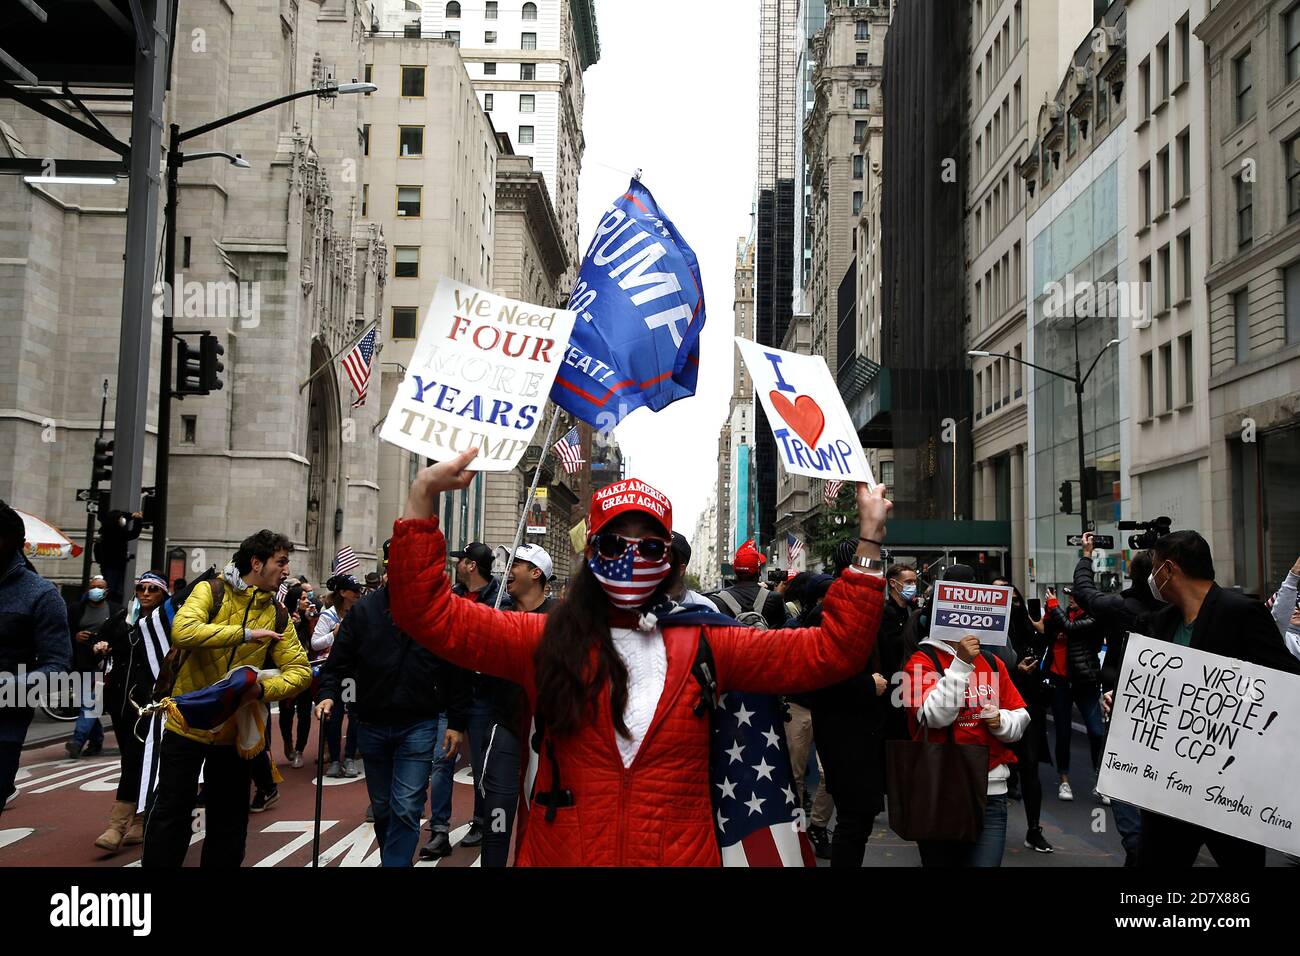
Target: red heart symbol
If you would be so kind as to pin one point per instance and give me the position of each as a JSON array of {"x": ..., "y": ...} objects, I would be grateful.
[{"x": 803, "y": 415}]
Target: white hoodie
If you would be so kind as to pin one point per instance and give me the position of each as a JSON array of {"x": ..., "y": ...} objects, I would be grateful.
[{"x": 946, "y": 700}]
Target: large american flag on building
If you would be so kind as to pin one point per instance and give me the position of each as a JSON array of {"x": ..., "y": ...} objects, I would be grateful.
[
  {"x": 793, "y": 547},
  {"x": 757, "y": 818},
  {"x": 831, "y": 489},
  {"x": 357, "y": 364},
  {"x": 345, "y": 562},
  {"x": 569, "y": 450}
]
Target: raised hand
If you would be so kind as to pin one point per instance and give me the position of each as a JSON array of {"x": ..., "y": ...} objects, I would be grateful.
[{"x": 449, "y": 475}]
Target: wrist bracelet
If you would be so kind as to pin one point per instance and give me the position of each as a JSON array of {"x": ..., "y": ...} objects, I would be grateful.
[{"x": 878, "y": 544}]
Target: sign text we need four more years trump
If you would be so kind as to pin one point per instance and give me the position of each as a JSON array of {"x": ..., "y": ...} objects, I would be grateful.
[
  {"x": 481, "y": 373},
  {"x": 1207, "y": 739}
]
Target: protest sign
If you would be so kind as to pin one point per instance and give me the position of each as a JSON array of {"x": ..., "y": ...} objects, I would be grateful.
[
  {"x": 980, "y": 609},
  {"x": 479, "y": 377},
  {"x": 813, "y": 431},
  {"x": 1206, "y": 739}
]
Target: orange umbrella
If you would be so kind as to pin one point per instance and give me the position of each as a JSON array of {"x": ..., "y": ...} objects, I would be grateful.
[{"x": 43, "y": 540}]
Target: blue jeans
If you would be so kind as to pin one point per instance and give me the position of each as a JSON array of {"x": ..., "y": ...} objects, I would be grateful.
[
  {"x": 397, "y": 760},
  {"x": 88, "y": 726},
  {"x": 987, "y": 849},
  {"x": 480, "y": 731},
  {"x": 440, "y": 783}
]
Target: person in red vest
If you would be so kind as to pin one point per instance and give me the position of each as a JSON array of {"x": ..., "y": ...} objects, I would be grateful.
[{"x": 624, "y": 771}]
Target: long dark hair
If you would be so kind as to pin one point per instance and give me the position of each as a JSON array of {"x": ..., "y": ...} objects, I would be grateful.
[{"x": 568, "y": 681}]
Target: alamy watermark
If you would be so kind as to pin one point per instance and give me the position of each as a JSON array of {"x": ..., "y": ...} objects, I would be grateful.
[
  {"x": 42, "y": 689},
  {"x": 210, "y": 300},
  {"x": 1088, "y": 300}
]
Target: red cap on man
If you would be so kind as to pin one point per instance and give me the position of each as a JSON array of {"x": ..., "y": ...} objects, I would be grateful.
[
  {"x": 748, "y": 558},
  {"x": 631, "y": 494}
]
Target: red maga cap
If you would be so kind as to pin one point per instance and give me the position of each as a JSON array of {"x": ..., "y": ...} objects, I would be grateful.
[
  {"x": 748, "y": 558},
  {"x": 631, "y": 494}
]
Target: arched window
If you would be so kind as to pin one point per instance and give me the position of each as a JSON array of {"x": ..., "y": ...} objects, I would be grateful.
[
  {"x": 453, "y": 10},
  {"x": 530, "y": 11}
]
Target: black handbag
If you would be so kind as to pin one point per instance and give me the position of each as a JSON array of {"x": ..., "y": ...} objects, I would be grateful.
[{"x": 937, "y": 791}]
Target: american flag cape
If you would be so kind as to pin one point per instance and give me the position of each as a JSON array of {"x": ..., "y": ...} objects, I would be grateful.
[{"x": 757, "y": 819}]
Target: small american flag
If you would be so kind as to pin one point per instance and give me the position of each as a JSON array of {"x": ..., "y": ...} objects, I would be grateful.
[
  {"x": 345, "y": 563},
  {"x": 793, "y": 547},
  {"x": 832, "y": 490},
  {"x": 357, "y": 364},
  {"x": 756, "y": 817},
  {"x": 569, "y": 448}
]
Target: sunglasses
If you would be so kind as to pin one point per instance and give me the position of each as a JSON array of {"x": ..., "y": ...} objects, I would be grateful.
[
  {"x": 611, "y": 546},
  {"x": 148, "y": 589}
]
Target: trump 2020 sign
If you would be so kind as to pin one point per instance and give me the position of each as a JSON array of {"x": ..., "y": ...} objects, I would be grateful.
[{"x": 813, "y": 431}]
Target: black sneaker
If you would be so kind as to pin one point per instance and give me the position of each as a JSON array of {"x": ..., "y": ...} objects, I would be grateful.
[
  {"x": 1034, "y": 841},
  {"x": 439, "y": 845},
  {"x": 475, "y": 835},
  {"x": 821, "y": 842},
  {"x": 263, "y": 801}
]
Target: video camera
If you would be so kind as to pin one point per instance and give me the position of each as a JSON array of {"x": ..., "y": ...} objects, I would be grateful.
[{"x": 1151, "y": 531}]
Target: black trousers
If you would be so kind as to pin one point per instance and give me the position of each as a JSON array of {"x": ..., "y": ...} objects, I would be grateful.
[
  {"x": 170, "y": 823},
  {"x": 1167, "y": 842},
  {"x": 132, "y": 751},
  {"x": 851, "y": 752},
  {"x": 1029, "y": 751},
  {"x": 301, "y": 707}
]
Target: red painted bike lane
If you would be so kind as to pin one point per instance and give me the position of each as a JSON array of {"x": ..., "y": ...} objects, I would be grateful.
[{"x": 63, "y": 804}]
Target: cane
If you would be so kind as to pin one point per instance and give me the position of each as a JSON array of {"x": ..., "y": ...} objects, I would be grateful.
[{"x": 320, "y": 788}]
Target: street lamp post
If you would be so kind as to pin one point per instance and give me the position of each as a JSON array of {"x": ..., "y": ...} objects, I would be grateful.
[
  {"x": 175, "y": 160},
  {"x": 1078, "y": 382}
]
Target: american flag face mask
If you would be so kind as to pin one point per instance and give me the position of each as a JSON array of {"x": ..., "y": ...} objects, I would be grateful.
[{"x": 629, "y": 579}]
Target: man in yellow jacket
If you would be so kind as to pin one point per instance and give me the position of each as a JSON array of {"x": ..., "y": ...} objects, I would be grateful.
[{"x": 214, "y": 639}]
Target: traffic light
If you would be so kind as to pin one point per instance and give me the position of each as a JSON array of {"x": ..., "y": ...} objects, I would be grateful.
[
  {"x": 189, "y": 370},
  {"x": 1090, "y": 489},
  {"x": 1067, "y": 498},
  {"x": 103, "y": 467},
  {"x": 209, "y": 352}
]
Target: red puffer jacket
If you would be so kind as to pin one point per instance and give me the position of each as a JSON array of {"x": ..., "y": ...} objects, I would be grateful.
[{"x": 656, "y": 812}]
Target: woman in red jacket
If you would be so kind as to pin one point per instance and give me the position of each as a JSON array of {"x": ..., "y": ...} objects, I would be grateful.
[{"x": 624, "y": 776}]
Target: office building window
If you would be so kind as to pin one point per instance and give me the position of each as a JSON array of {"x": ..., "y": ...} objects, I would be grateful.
[
  {"x": 367, "y": 73},
  {"x": 1144, "y": 83},
  {"x": 410, "y": 140},
  {"x": 525, "y": 135},
  {"x": 189, "y": 426},
  {"x": 1291, "y": 149},
  {"x": 1292, "y": 23},
  {"x": 1189, "y": 381},
  {"x": 1243, "y": 84},
  {"x": 860, "y": 99},
  {"x": 489, "y": 69},
  {"x": 1148, "y": 387},
  {"x": 528, "y": 41},
  {"x": 1241, "y": 324},
  {"x": 1291, "y": 291},
  {"x": 1144, "y": 193},
  {"x": 862, "y": 59},
  {"x": 365, "y": 198},
  {"x": 412, "y": 81},
  {"x": 404, "y": 321},
  {"x": 1102, "y": 101},
  {"x": 527, "y": 71},
  {"x": 1167, "y": 375},
  {"x": 454, "y": 36},
  {"x": 1162, "y": 64},
  {"x": 859, "y": 164},
  {"x": 979, "y": 391},
  {"x": 489, "y": 37},
  {"x": 1184, "y": 34},
  {"x": 406, "y": 262},
  {"x": 1245, "y": 211},
  {"x": 453, "y": 10},
  {"x": 365, "y": 140},
  {"x": 487, "y": 102},
  {"x": 527, "y": 103},
  {"x": 1162, "y": 164},
  {"x": 1166, "y": 278},
  {"x": 491, "y": 12},
  {"x": 530, "y": 11},
  {"x": 408, "y": 202},
  {"x": 1183, "y": 145},
  {"x": 1071, "y": 135},
  {"x": 859, "y": 130},
  {"x": 857, "y": 203},
  {"x": 1185, "y": 266}
]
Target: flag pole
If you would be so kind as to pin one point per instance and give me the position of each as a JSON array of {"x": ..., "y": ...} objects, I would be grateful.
[{"x": 532, "y": 493}]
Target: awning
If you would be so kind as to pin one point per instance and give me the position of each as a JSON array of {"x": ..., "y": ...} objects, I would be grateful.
[{"x": 43, "y": 540}]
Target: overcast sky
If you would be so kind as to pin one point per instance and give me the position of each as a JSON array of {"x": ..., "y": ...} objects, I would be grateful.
[{"x": 676, "y": 94}]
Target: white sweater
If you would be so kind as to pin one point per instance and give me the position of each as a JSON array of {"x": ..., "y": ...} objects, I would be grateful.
[{"x": 646, "y": 659}]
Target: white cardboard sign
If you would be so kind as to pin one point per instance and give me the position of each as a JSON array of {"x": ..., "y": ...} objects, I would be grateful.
[
  {"x": 980, "y": 609},
  {"x": 480, "y": 376},
  {"x": 814, "y": 433},
  {"x": 1206, "y": 739}
]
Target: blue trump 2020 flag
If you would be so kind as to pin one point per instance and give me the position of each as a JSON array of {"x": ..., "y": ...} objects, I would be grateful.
[{"x": 640, "y": 306}]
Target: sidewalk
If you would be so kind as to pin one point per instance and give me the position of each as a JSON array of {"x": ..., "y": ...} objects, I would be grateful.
[{"x": 45, "y": 730}]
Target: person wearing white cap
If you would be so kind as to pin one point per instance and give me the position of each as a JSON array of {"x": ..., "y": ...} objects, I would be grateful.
[{"x": 526, "y": 582}]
